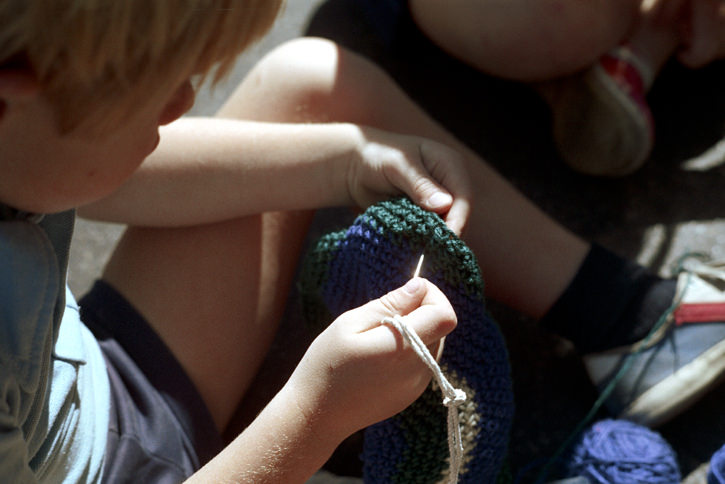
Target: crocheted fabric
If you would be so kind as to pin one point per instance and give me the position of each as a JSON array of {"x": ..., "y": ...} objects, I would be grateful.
[{"x": 377, "y": 254}]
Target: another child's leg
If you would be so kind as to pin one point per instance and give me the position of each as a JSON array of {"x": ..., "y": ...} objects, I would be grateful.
[
  {"x": 526, "y": 41},
  {"x": 548, "y": 39},
  {"x": 602, "y": 123},
  {"x": 214, "y": 293},
  {"x": 612, "y": 50}
]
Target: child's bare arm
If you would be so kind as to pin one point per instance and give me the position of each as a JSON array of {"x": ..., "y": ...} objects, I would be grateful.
[
  {"x": 206, "y": 170},
  {"x": 278, "y": 446},
  {"x": 356, "y": 373}
]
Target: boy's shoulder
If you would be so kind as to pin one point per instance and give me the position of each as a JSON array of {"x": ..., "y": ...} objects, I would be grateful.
[
  {"x": 41, "y": 334},
  {"x": 33, "y": 261}
]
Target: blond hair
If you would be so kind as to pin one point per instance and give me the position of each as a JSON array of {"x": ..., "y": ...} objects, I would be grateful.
[{"x": 88, "y": 53}]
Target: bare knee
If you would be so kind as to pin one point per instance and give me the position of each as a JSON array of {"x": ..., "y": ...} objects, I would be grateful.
[
  {"x": 307, "y": 80},
  {"x": 526, "y": 40},
  {"x": 290, "y": 84}
]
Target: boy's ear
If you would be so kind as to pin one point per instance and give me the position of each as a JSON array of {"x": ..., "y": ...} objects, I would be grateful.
[{"x": 16, "y": 84}]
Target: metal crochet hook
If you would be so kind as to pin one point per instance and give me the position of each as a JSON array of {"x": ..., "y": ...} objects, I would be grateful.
[{"x": 420, "y": 264}]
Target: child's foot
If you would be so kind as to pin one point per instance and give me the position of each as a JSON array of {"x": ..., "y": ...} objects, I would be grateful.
[
  {"x": 679, "y": 362},
  {"x": 602, "y": 124}
]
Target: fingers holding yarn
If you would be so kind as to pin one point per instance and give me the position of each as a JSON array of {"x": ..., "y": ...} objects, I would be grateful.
[
  {"x": 432, "y": 319},
  {"x": 400, "y": 301}
]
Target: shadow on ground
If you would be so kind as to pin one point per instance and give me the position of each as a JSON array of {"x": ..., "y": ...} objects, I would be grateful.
[{"x": 661, "y": 210}]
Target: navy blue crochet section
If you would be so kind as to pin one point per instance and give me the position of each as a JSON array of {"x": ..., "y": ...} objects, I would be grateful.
[{"x": 378, "y": 253}]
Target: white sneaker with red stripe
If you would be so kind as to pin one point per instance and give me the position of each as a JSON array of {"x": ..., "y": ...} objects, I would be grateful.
[
  {"x": 601, "y": 122},
  {"x": 657, "y": 378}
]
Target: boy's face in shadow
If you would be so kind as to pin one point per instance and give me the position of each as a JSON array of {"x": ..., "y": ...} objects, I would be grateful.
[{"x": 43, "y": 170}]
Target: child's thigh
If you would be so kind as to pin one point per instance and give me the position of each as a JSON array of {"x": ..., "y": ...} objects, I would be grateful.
[
  {"x": 526, "y": 40},
  {"x": 214, "y": 293}
]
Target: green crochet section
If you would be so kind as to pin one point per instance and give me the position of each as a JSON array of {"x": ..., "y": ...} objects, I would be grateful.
[
  {"x": 424, "y": 456},
  {"x": 406, "y": 223},
  {"x": 403, "y": 224}
]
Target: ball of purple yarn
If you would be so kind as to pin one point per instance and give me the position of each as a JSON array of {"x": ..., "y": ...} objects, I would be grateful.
[
  {"x": 716, "y": 474},
  {"x": 623, "y": 452}
]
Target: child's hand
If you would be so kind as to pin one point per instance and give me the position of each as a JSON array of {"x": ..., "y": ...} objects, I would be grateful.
[
  {"x": 703, "y": 33},
  {"x": 359, "y": 372},
  {"x": 431, "y": 174}
]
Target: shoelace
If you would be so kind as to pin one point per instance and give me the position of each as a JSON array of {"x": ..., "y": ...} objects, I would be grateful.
[
  {"x": 696, "y": 263},
  {"x": 452, "y": 397}
]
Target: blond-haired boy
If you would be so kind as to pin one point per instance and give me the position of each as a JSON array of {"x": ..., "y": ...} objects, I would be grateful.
[{"x": 192, "y": 296}]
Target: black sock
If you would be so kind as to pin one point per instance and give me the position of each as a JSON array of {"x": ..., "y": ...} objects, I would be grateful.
[{"x": 610, "y": 302}]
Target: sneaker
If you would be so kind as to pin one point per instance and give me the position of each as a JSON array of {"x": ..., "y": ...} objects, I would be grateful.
[
  {"x": 602, "y": 124},
  {"x": 658, "y": 377}
]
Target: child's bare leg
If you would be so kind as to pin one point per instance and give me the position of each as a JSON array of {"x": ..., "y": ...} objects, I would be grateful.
[
  {"x": 526, "y": 257},
  {"x": 214, "y": 293},
  {"x": 544, "y": 40},
  {"x": 528, "y": 41}
]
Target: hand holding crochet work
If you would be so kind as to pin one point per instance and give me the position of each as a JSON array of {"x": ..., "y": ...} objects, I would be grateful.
[
  {"x": 359, "y": 372},
  {"x": 429, "y": 173},
  {"x": 379, "y": 252}
]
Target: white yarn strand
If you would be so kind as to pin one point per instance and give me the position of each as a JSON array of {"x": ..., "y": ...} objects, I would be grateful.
[{"x": 452, "y": 397}]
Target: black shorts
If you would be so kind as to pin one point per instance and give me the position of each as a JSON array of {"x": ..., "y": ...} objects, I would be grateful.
[{"x": 160, "y": 430}]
